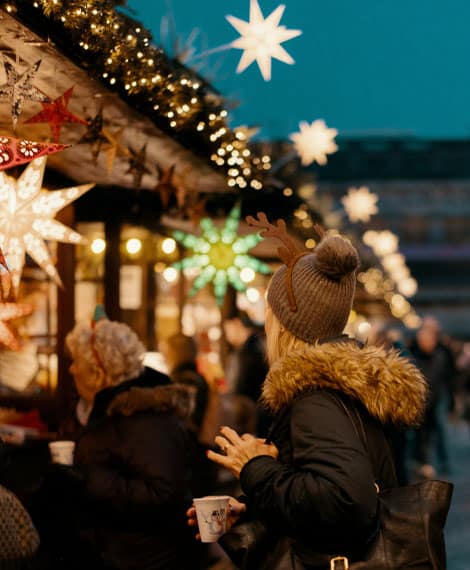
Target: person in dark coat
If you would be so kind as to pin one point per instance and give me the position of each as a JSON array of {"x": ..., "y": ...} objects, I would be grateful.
[
  {"x": 180, "y": 353},
  {"x": 436, "y": 362},
  {"x": 249, "y": 365},
  {"x": 312, "y": 480},
  {"x": 128, "y": 490}
]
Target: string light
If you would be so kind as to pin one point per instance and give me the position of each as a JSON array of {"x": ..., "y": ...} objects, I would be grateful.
[
  {"x": 133, "y": 246},
  {"x": 114, "y": 48}
]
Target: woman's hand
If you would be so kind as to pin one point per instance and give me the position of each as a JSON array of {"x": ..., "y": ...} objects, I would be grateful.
[
  {"x": 239, "y": 450},
  {"x": 235, "y": 510}
]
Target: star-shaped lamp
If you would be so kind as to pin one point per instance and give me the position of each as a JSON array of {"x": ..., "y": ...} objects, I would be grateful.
[
  {"x": 26, "y": 219},
  {"x": 360, "y": 204},
  {"x": 168, "y": 187},
  {"x": 56, "y": 114},
  {"x": 8, "y": 312},
  {"x": 14, "y": 152},
  {"x": 19, "y": 88},
  {"x": 221, "y": 255},
  {"x": 137, "y": 166},
  {"x": 314, "y": 142},
  {"x": 261, "y": 39}
]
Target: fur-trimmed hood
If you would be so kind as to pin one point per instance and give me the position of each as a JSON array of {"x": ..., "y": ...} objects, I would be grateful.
[
  {"x": 389, "y": 386},
  {"x": 173, "y": 398}
]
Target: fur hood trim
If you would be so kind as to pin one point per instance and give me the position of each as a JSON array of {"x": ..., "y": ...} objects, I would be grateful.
[
  {"x": 389, "y": 386},
  {"x": 172, "y": 398}
]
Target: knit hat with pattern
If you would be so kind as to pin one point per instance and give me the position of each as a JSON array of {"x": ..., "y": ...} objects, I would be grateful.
[{"x": 322, "y": 284}]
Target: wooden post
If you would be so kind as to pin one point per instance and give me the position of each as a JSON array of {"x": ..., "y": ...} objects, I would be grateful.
[
  {"x": 112, "y": 265},
  {"x": 65, "y": 317}
]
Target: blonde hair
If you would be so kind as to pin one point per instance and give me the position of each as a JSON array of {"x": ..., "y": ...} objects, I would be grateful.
[
  {"x": 280, "y": 341},
  {"x": 115, "y": 350}
]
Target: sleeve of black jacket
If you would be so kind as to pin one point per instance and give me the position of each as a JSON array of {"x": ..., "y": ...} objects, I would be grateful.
[
  {"x": 329, "y": 482},
  {"x": 135, "y": 467}
]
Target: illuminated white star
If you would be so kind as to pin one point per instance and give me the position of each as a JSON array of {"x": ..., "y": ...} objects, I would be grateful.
[
  {"x": 314, "y": 142},
  {"x": 26, "y": 219},
  {"x": 261, "y": 39},
  {"x": 360, "y": 204}
]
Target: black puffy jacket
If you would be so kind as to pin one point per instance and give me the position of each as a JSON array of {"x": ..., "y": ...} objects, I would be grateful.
[
  {"x": 133, "y": 460},
  {"x": 321, "y": 492}
]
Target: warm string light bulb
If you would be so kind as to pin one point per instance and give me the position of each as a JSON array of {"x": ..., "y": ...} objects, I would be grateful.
[{"x": 125, "y": 58}]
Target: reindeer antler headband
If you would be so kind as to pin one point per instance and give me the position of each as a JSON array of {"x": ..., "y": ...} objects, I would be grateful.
[{"x": 289, "y": 252}]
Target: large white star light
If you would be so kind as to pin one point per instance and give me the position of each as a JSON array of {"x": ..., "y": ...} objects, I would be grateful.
[
  {"x": 221, "y": 255},
  {"x": 360, "y": 204},
  {"x": 261, "y": 39},
  {"x": 314, "y": 142},
  {"x": 26, "y": 219}
]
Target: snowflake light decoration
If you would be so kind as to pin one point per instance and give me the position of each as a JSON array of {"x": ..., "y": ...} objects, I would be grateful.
[
  {"x": 26, "y": 219},
  {"x": 261, "y": 39},
  {"x": 221, "y": 255},
  {"x": 314, "y": 142},
  {"x": 360, "y": 204}
]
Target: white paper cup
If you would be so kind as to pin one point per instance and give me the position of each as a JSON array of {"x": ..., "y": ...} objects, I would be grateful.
[
  {"x": 62, "y": 452},
  {"x": 211, "y": 515}
]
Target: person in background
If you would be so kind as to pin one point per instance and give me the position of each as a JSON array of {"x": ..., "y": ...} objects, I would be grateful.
[
  {"x": 248, "y": 365},
  {"x": 312, "y": 480},
  {"x": 180, "y": 353},
  {"x": 129, "y": 485},
  {"x": 436, "y": 362}
]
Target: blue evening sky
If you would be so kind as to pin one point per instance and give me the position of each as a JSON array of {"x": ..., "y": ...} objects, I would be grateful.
[{"x": 365, "y": 66}]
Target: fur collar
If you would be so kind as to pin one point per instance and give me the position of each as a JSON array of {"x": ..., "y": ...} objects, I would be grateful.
[
  {"x": 173, "y": 398},
  {"x": 389, "y": 386}
]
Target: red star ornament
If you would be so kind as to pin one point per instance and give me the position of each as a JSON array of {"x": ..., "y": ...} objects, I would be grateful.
[
  {"x": 57, "y": 114},
  {"x": 14, "y": 152}
]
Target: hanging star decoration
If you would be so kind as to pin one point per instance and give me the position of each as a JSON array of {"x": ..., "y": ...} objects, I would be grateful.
[
  {"x": 57, "y": 114},
  {"x": 360, "y": 204},
  {"x": 137, "y": 166},
  {"x": 26, "y": 219},
  {"x": 14, "y": 152},
  {"x": 220, "y": 255},
  {"x": 94, "y": 134},
  {"x": 113, "y": 147},
  {"x": 19, "y": 88},
  {"x": 261, "y": 39},
  {"x": 196, "y": 210},
  {"x": 168, "y": 187},
  {"x": 8, "y": 312},
  {"x": 314, "y": 142}
]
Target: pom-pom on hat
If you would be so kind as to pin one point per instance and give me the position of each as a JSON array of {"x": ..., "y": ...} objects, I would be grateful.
[{"x": 312, "y": 294}]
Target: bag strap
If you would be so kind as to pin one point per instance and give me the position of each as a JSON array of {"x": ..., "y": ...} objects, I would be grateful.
[{"x": 356, "y": 420}]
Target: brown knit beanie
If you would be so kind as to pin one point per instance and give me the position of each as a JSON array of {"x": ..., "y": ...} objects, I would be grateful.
[{"x": 323, "y": 284}]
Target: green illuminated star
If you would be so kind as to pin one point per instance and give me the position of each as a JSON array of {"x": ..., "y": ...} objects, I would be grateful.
[{"x": 221, "y": 255}]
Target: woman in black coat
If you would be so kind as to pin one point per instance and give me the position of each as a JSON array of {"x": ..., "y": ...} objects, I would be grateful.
[
  {"x": 312, "y": 480},
  {"x": 128, "y": 490}
]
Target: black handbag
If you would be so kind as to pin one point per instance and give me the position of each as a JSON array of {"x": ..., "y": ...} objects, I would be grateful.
[
  {"x": 410, "y": 534},
  {"x": 251, "y": 546}
]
